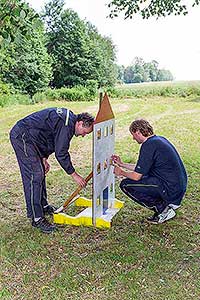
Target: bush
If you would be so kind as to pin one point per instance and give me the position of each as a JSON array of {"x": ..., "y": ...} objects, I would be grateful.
[
  {"x": 48, "y": 95},
  {"x": 5, "y": 89},
  {"x": 10, "y": 96},
  {"x": 92, "y": 87},
  {"x": 77, "y": 93},
  {"x": 6, "y": 100}
]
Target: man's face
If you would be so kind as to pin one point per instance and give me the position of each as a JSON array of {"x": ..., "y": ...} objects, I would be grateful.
[
  {"x": 138, "y": 137},
  {"x": 81, "y": 130}
]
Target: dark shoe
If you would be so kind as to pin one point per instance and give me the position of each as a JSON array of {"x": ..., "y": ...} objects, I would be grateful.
[
  {"x": 153, "y": 219},
  {"x": 49, "y": 210},
  {"x": 44, "y": 225}
]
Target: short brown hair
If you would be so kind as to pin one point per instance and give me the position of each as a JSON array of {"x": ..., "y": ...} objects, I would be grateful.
[
  {"x": 87, "y": 119},
  {"x": 143, "y": 126}
]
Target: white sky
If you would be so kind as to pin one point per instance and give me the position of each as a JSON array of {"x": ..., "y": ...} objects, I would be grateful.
[{"x": 173, "y": 41}]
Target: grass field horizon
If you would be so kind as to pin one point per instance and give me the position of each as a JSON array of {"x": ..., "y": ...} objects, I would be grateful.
[{"x": 133, "y": 260}]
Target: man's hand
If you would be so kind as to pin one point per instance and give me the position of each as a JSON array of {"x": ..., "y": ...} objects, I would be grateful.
[
  {"x": 117, "y": 171},
  {"x": 116, "y": 160},
  {"x": 79, "y": 179},
  {"x": 46, "y": 165}
]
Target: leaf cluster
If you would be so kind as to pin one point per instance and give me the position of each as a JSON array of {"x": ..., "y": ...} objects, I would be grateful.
[
  {"x": 78, "y": 51},
  {"x": 147, "y": 9},
  {"x": 16, "y": 18},
  {"x": 55, "y": 49}
]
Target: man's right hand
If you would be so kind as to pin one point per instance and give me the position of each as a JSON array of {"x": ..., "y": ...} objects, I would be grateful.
[
  {"x": 116, "y": 160},
  {"x": 79, "y": 179}
]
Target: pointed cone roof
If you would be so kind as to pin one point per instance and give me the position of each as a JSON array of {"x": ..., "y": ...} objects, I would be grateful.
[{"x": 105, "y": 111}]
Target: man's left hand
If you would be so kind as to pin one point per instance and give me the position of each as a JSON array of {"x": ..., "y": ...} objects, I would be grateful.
[
  {"x": 117, "y": 171},
  {"x": 46, "y": 165}
]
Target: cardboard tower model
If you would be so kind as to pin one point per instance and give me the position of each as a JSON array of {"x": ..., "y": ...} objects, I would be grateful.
[{"x": 103, "y": 206}]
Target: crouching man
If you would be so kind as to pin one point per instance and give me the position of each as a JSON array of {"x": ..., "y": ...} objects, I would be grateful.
[{"x": 158, "y": 181}]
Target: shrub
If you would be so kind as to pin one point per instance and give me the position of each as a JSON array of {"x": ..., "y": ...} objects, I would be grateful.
[
  {"x": 6, "y": 100},
  {"x": 5, "y": 89},
  {"x": 47, "y": 95},
  {"x": 77, "y": 93},
  {"x": 92, "y": 87}
]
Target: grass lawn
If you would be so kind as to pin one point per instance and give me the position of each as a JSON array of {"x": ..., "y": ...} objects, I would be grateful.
[{"x": 132, "y": 260}]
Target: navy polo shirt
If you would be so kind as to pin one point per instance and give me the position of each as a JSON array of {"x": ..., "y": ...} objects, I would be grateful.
[{"x": 159, "y": 158}]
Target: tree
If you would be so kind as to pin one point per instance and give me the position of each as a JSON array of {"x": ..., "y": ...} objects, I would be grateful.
[
  {"x": 16, "y": 18},
  {"x": 148, "y": 9},
  {"x": 79, "y": 53},
  {"x": 151, "y": 69},
  {"x": 164, "y": 75},
  {"x": 51, "y": 14},
  {"x": 141, "y": 71},
  {"x": 25, "y": 63},
  {"x": 120, "y": 73}
]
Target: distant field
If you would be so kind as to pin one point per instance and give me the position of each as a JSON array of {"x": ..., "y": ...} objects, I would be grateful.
[
  {"x": 164, "y": 89},
  {"x": 133, "y": 260},
  {"x": 164, "y": 83}
]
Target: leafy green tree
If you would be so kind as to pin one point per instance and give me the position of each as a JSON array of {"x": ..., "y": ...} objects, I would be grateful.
[
  {"x": 141, "y": 71},
  {"x": 78, "y": 51},
  {"x": 24, "y": 61},
  {"x": 148, "y": 9},
  {"x": 129, "y": 74},
  {"x": 120, "y": 73},
  {"x": 27, "y": 65},
  {"x": 164, "y": 75},
  {"x": 51, "y": 14},
  {"x": 16, "y": 18},
  {"x": 151, "y": 69}
]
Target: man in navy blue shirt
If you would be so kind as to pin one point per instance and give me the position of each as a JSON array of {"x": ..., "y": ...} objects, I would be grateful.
[
  {"x": 158, "y": 181},
  {"x": 34, "y": 138}
]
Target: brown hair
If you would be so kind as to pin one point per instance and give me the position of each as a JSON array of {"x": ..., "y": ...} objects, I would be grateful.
[
  {"x": 87, "y": 119},
  {"x": 143, "y": 126}
]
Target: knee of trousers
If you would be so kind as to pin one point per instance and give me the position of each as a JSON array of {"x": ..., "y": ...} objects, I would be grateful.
[
  {"x": 123, "y": 184},
  {"x": 38, "y": 177}
]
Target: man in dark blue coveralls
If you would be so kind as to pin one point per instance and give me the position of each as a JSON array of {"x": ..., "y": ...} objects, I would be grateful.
[
  {"x": 34, "y": 138},
  {"x": 158, "y": 181}
]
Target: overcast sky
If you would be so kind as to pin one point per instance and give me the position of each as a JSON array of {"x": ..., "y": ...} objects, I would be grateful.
[{"x": 173, "y": 41}]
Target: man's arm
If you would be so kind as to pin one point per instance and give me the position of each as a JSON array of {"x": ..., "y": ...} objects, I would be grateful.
[
  {"x": 117, "y": 161},
  {"x": 132, "y": 175},
  {"x": 127, "y": 166}
]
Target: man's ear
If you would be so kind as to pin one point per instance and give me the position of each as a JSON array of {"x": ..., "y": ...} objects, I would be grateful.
[
  {"x": 80, "y": 123},
  {"x": 138, "y": 133}
]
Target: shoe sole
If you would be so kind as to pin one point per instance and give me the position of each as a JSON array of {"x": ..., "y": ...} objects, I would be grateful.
[
  {"x": 45, "y": 231},
  {"x": 152, "y": 222}
]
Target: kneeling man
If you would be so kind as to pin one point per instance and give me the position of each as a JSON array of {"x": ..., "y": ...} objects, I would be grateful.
[{"x": 158, "y": 181}]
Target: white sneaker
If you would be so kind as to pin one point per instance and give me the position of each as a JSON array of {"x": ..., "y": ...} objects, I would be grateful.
[{"x": 167, "y": 214}]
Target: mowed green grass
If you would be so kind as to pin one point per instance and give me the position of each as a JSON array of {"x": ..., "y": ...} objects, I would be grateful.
[{"x": 132, "y": 260}]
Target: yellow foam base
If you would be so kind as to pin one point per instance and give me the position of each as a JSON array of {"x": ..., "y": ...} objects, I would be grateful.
[
  {"x": 85, "y": 218},
  {"x": 82, "y": 201}
]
